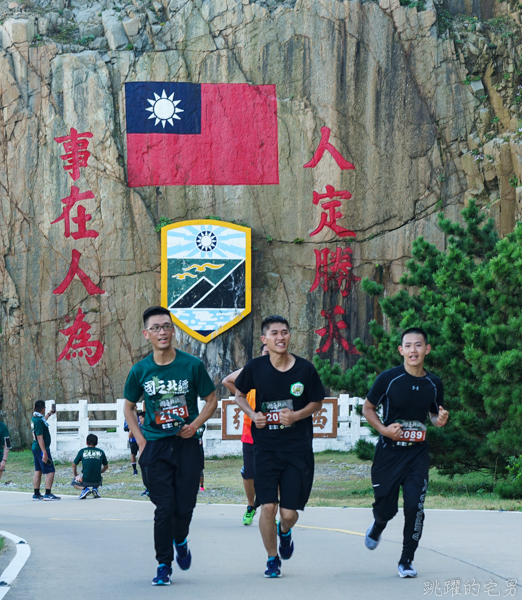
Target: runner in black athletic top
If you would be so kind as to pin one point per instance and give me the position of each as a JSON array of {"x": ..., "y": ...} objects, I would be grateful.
[
  {"x": 170, "y": 457},
  {"x": 407, "y": 394},
  {"x": 288, "y": 392}
]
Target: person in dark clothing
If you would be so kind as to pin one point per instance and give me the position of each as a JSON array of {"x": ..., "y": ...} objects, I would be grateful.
[
  {"x": 407, "y": 394},
  {"x": 170, "y": 457}
]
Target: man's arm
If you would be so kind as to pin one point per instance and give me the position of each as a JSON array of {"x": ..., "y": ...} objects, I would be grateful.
[
  {"x": 393, "y": 431},
  {"x": 288, "y": 417},
  {"x": 258, "y": 418},
  {"x": 440, "y": 419},
  {"x": 41, "y": 443},
  {"x": 132, "y": 421},
  {"x": 75, "y": 471},
  {"x": 230, "y": 380},
  {"x": 187, "y": 431},
  {"x": 104, "y": 468},
  {"x": 5, "y": 455}
]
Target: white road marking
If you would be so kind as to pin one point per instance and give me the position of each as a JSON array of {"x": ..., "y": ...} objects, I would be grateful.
[{"x": 23, "y": 551}]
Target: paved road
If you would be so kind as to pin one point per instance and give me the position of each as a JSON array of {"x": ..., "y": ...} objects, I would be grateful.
[{"x": 103, "y": 550}]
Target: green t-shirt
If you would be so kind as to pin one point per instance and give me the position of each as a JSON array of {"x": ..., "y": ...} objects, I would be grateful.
[
  {"x": 169, "y": 391},
  {"x": 4, "y": 437},
  {"x": 92, "y": 460},
  {"x": 39, "y": 426}
]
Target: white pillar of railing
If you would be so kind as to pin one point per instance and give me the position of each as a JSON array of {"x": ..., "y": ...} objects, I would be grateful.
[
  {"x": 356, "y": 423},
  {"x": 123, "y": 436},
  {"x": 83, "y": 418},
  {"x": 53, "y": 427}
]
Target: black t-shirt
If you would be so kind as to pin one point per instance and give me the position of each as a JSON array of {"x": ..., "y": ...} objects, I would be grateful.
[
  {"x": 275, "y": 389},
  {"x": 406, "y": 397}
]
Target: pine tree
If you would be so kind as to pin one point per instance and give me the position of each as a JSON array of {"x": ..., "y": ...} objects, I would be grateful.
[{"x": 469, "y": 300}]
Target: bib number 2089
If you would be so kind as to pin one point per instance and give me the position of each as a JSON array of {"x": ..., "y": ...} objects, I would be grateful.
[{"x": 413, "y": 435}]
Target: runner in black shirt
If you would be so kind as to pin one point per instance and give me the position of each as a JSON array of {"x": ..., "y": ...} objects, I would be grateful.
[
  {"x": 288, "y": 392},
  {"x": 407, "y": 393}
]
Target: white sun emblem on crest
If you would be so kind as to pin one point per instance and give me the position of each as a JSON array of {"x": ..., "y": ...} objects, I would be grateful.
[
  {"x": 164, "y": 109},
  {"x": 206, "y": 241}
]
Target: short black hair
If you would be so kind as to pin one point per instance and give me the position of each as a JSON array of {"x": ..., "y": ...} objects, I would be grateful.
[
  {"x": 92, "y": 440},
  {"x": 261, "y": 349},
  {"x": 273, "y": 319},
  {"x": 141, "y": 413},
  {"x": 38, "y": 405},
  {"x": 153, "y": 311},
  {"x": 418, "y": 330}
]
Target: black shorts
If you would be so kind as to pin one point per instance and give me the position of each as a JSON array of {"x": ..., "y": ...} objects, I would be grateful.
[
  {"x": 247, "y": 472},
  {"x": 134, "y": 448},
  {"x": 292, "y": 473}
]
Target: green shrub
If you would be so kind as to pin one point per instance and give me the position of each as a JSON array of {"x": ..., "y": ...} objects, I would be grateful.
[{"x": 364, "y": 449}]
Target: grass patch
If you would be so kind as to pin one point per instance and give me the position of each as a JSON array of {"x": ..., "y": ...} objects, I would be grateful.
[
  {"x": 341, "y": 479},
  {"x": 2, "y": 542}
]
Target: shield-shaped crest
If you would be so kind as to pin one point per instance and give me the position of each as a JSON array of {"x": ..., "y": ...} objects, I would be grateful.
[{"x": 206, "y": 275}]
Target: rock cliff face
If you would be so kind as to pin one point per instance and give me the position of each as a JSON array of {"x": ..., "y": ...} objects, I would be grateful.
[{"x": 412, "y": 96}]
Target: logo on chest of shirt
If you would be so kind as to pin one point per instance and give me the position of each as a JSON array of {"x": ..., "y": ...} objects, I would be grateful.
[
  {"x": 297, "y": 389},
  {"x": 171, "y": 387},
  {"x": 415, "y": 387}
]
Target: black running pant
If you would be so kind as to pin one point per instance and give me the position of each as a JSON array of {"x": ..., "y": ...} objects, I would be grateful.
[
  {"x": 171, "y": 468},
  {"x": 395, "y": 467}
]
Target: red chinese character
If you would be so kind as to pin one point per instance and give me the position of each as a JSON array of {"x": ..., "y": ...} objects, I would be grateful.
[
  {"x": 81, "y": 219},
  {"x": 330, "y": 220},
  {"x": 79, "y": 342},
  {"x": 324, "y": 145},
  {"x": 74, "y": 269},
  {"x": 331, "y": 192},
  {"x": 76, "y": 152},
  {"x": 334, "y": 265},
  {"x": 333, "y": 331}
]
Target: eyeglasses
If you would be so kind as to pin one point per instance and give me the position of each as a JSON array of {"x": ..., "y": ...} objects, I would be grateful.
[{"x": 158, "y": 328}]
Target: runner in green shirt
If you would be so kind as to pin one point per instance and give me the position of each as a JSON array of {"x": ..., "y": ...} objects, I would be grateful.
[
  {"x": 43, "y": 461},
  {"x": 94, "y": 463},
  {"x": 170, "y": 459},
  {"x": 5, "y": 446}
]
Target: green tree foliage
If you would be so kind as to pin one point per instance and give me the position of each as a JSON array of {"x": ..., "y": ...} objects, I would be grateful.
[{"x": 468, "y": 298}]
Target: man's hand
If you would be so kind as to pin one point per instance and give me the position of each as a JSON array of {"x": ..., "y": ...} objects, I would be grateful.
[
  {"x": 186, "y": 432},
  {"x": 287, "y": 417},
  {"x": 393, "y": 431},
  {"x": 2, "y": 465},
  {"x": 259, "y": 419},
  {"x": 45, "y": 458},
  {"x": 141, "y": 444},
  {"x": 443, "y": 417}
]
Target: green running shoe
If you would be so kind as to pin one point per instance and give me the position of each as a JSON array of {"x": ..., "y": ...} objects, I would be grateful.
[{"x": 249, "y": 515}]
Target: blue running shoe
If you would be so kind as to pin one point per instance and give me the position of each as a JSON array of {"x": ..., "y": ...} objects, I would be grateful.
[
  {"x": 273, "y": 567},
  {"x": 85, "y": 492},
  {"x": 95, "y": 492},
  {"x": 406, "y": 569},
  {"x": 370, "y": 542},
  {"x": 163, "y": 575},
  {"x": 183, "y": 556},
  {"x": 286, "y": 545}
]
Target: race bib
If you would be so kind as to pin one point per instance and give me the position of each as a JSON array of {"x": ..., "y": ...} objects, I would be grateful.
[
  {"x": 272, "y": 412},
  {"x": 412, "y": 431},
  {"x": 167, "y": 417}
]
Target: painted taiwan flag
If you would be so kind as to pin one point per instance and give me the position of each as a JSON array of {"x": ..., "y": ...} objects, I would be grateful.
[{"x": 201, "y": 134}]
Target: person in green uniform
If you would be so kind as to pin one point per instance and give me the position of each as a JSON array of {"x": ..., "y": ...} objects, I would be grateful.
[
  {"x": 43, "y": 461},
  {"x": 5, "y": 446},
  {"x": 94, "y": 463},
  {"x": 170, "y": 457}
]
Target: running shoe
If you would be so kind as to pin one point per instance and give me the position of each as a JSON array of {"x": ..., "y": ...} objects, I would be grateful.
[
  {"x": 249, "y": 515},
  {"x": 183, "y": 556},
  {"x": 51, "y": 497},
  {"x": 201, "y": 489},
  {"x": 135, "y": 472},
  {"x": 163, "y": 575},
  {"x": 286, "y": 546},
  {"x": 406, "y": 569},
  {"x": 145, "y": 493},
  {"x": 369, "y": 542},
  {"x": 96, "y": 493},
  {"x": 85, "y": 492},
  {"x": 37, "y": 497},
  {"x": 273, "y": 567}
]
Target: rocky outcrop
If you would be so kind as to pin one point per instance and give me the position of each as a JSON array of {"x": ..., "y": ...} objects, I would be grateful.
[{"x": 388, "y": 80}]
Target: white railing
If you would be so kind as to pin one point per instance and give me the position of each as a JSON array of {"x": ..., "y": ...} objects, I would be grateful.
[{"x": 67, "y": 437}]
